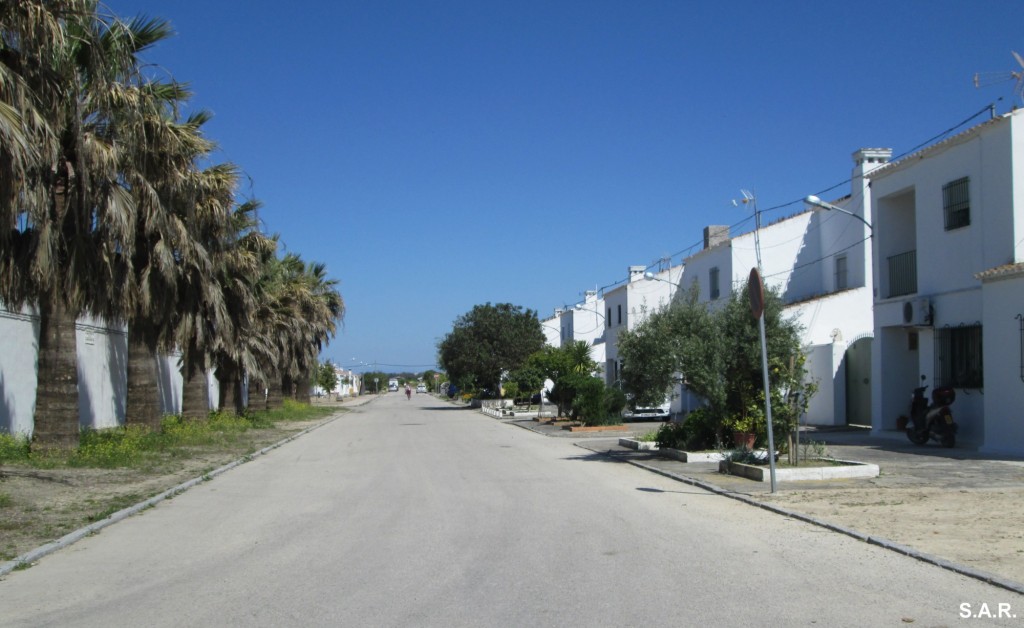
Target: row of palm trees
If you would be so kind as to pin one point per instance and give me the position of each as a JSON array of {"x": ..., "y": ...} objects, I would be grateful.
[{"x": 110, "y": 205}]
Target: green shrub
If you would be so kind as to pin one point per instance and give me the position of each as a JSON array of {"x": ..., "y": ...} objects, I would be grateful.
[
  {"x": 703, "y": 430},
  {"x": 697, "y": 432},
  {"x": 596, "y": 404},
  {"x": 672, "y": 436},
  {"x": 13, "y": 448}
]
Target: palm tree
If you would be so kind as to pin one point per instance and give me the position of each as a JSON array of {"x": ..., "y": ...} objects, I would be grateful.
[
  {"x": 171, "y": 244},
  {"x": 68, "y": 221}
]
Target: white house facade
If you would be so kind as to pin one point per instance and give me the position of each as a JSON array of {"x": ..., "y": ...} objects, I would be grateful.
[
  {"x": 629, "y": 304},
  {"x": 820, "y": 265},
  {"x": 585, "y": 322},
  {"x": 949, "y": 234}
]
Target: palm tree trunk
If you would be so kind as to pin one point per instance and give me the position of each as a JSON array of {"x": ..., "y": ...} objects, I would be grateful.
[
  {"x": 56, "y": 413},
  {"x": 231, "y": 398},
  {"x": 302, "y": 388},
  {"x": 287, "y": 387},
  {"x": 194, "y": 397},
  {"x": 275, "y": 393},
  {"x": 143, "y": 404}
]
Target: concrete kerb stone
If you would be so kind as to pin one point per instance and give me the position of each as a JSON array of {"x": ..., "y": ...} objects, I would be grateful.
[
  {"x": 977, "y": 574},
  {"x": 70, "y": 538}
]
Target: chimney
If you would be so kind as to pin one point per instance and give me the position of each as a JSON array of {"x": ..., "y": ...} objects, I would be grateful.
[
  {"x": 715, "y": 235},
  {"x": 636, "y": 272}
]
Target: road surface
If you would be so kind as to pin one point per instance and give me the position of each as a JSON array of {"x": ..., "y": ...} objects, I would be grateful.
[{"x": 418, "y": 513}]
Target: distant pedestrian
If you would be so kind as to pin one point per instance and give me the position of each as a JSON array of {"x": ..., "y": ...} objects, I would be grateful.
[{"x": 408, "y": 391}]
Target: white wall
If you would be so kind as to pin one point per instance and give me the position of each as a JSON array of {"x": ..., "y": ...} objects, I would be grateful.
[
  {"x": 19, "y": 334},
  {"x": 102, "y": 373},
  {"x": 1004, "y": 366}
]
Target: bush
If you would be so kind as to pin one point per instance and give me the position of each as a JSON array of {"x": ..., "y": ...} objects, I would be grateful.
[
  {"x": 13, "y": 448},
  {"x": 596, "y": 404},
  {"x": 703, "y": 430},
  {"x": 672, "y": 436},
  {"x": 697, "y": 432}
]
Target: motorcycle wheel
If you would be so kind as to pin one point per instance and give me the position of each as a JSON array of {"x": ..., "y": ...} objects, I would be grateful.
[
  {"x": 918, "y": 438},
  {"x": 948, "y": 440}
]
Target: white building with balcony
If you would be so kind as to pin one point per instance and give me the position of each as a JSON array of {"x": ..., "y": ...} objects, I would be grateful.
[{"x": 949, "y": 243}]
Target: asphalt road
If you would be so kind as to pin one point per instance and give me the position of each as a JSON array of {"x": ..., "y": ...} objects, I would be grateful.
[{"x": 418, "y": 513}]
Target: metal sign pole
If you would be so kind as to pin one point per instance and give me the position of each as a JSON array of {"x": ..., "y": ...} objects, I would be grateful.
[{"x": 755, "y": 288}]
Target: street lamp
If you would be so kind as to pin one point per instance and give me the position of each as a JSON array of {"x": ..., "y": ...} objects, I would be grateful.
[
  {"x": 816, "y": 203},
  {"x": 652, "y": 277},
  {"x": 579, "y": 307}
]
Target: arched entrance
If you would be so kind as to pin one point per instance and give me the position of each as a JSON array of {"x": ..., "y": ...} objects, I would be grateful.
[{"x": 858, "y": 382}]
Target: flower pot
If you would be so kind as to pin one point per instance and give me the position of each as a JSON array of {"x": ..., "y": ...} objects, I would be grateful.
[{"x": 744, "y": 440}]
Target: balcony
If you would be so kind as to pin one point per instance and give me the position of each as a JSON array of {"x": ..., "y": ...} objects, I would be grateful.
[{"x": 902, "y": 274}]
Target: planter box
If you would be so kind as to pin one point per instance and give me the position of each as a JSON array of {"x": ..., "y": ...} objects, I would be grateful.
[
  {"x": 639, "y": 445},
  {"x": 595, "y": 428},
  {"x": 692, "y": 456},
  {"x": 843, "y": 470}
]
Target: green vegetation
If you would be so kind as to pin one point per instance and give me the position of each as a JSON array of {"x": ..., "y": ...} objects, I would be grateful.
[
  {"x": 139, "y": 446},
  {"x": 718, "y": 353},
  {"x": 488, "y": 341}
]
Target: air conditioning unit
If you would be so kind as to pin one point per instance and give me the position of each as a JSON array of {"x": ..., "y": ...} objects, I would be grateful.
[{"x": 917, "y": 313}]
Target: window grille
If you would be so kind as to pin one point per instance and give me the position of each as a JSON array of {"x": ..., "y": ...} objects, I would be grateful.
[
  {"x": 902, "y": 274},
  {"x": 958, "y": 357},
  {"x": 956, "y": 204}
]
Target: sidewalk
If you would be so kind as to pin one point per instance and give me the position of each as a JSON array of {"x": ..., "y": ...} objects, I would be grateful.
[{"x": 953, "y": 507}]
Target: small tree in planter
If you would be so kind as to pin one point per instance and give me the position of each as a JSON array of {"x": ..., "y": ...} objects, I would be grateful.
[{"x": 596, "y": 404}]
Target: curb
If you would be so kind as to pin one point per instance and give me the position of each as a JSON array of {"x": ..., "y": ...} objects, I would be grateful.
[
  {"x": 26, "y": 559},
  {"x": 970, "y": 572}
]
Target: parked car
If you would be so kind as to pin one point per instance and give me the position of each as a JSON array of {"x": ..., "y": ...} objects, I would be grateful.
[
  {"x": 422, "y": 388},
  {"x": 656, "y": 413}
]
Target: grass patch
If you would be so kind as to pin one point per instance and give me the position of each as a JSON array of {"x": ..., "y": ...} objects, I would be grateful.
[
  {"x": 5, "y": 500},
  {"x": 140, "y": 447},
  {"x": 13, "y": 448},
  {"x": 649, "y": 437},
  {"x": 114, "y": 505}
]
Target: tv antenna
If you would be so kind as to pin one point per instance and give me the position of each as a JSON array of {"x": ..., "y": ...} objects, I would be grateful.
[{"x": 983, "y": 79}]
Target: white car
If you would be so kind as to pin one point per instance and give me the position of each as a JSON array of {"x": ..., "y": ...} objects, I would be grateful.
[{"x": 422, "y": 388}]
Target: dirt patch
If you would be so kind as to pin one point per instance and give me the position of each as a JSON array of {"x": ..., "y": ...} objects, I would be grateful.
[
  {"x": 975, "y": 527},
  {"x": 38, "y": 506}
]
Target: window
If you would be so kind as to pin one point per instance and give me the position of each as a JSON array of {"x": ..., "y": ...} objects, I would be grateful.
[
  {"x": 956, "y": 204},
  {"x": 841, "y": 275},
  {"x": 608, "y": 319},
  {"x": 713, "y": 283},
  {"x": 958, "y": 360},
  {"x": 619, "y": 320}
]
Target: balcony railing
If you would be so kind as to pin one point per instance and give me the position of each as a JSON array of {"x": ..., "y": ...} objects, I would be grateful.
[{"x": 902, "y": 274}]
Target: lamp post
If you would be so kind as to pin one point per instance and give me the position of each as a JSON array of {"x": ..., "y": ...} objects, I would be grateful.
[
  {"x": 649, "y": 276},
  {"x": 817, "y": 203}
]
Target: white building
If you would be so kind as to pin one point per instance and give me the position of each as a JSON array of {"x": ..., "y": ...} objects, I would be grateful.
[
  {"x": 820, "y": 264},
  {"x": 585, "y": 322},
  {"x": 552, "y": 328},
  {"x": 949, "y": 240},
  {"x": 629, "y": 304}
]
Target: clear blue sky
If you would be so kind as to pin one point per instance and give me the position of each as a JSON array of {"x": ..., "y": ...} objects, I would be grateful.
[{"x": 439, "y": 154}]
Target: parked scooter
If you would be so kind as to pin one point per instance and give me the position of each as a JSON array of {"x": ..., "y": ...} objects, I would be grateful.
[{"x": 932, "y": 421}]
